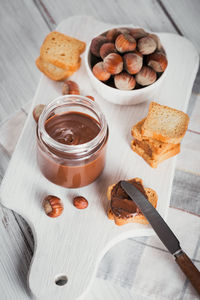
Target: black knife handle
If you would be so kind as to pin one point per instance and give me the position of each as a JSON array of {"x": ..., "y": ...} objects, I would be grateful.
[{"x": 189, "y": 269}]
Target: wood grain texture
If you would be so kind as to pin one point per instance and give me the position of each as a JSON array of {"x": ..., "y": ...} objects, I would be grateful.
[
  {"x": 186, "y": 16},
  {"x": 31, "y": 209},
  {"x": 20, "y": 13},
  {"x": 145, "y": 13},
  {"x": 189, "y": 269},
  {"x": 22, "y": 32}
]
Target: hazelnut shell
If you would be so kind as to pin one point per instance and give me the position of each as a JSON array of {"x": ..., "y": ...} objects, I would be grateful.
[
  {"x": 37, "y": 111},
  {"x": 146, "y": 76},
  {"x": 113, "y": 63},
  {"x": 96, "y": 45},
  {"x": 132, "y": 63},
  {"x": 100, "y": 72},
  {"x": 125, "y": 43},
  {"x": 146, "y": 45},
  {"x": 124, "y": 81},
  {"x": 70, "y": 88},
  {"x": 106, "y": 49},
  {"x": 157, "y": 61},
  {"x": 80, "y": 202}
]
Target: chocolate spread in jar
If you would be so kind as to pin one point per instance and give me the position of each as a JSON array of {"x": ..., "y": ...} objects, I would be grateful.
[
  {"x": 122, "y": 205},
  {"x": 71, "y": 129}
]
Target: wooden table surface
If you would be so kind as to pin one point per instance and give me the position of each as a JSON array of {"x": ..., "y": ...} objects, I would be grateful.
[{"x": 24, "y": 25}]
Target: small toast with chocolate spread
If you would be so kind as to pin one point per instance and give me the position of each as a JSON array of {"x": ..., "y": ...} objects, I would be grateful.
[{"x": 122, "y": 209}]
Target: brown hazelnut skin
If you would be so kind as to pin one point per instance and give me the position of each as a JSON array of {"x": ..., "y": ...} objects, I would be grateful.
[
  {"x": 113, "y": 63},
  {"x": 157, "y": 61},
  {"x": 146, "y": 45},
  {"x": 157, "y": 40},
  {"x": 96, "y": 44},
  {"x": 80, "y": 202},
  {"x": 112, "y": 34},
  {"x": 100, "y": 72},
  {"x": 90, "y": 97},
  {"x": 53, "y": 206},
  {"x": 132, "y": 62},
  {"x": 106, "y": 49},
  {"x": 125, "y": 43},
  {"x": 70, "y": 88},
  {"x": 138, "y": 33},
  {"x": 146, "y": 76},
  {"x": 124, "y": 81},
  {"x": 37, "y": 111}
]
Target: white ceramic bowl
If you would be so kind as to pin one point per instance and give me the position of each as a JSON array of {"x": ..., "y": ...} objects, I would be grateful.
[{"x": 122, "y": 97}]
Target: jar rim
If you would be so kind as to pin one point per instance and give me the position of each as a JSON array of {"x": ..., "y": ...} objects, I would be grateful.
[{"x": 79, "y": 101}]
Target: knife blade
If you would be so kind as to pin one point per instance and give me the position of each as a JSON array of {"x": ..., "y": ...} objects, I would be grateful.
[{"x": 164, "y": 233}]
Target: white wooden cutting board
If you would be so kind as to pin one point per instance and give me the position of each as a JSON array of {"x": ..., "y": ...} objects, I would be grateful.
[{"x": 73, "y": 244}]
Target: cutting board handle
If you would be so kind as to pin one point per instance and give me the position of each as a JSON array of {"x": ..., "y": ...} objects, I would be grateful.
[{"x": 189, "y": 269}]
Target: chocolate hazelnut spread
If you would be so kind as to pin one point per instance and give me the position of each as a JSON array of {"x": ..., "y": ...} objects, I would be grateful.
[
  {"x": 121, "y": 204},
  {"x": 72, "y": 128},
  {"x": 71, "y": 144}
]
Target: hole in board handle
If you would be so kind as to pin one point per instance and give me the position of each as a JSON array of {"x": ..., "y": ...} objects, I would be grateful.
[{"x": 61, "y": 280}]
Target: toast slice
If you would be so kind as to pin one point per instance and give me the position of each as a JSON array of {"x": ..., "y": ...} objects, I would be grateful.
[
  {"x": 165, "y": 124},
  {"x": 52, "y": 71},
  {"x": 61, "y": 50},
  {"x": 153, "y": 162},
  {"x": 151, "y": 146},
  {"x": 138, "y": 217}
]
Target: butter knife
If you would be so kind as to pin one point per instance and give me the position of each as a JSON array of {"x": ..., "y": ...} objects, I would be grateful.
[{"x": 164, "y": 233}]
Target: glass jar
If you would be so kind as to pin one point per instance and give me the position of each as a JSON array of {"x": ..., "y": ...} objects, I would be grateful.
[{"x": 71, "y": 165}]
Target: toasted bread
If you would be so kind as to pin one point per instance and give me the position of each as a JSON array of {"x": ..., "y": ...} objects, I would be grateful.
[
  {"x": 138, "y": 217},
  {"x": 151, "y": 146},
  {"x": 61, "y": 50},
  {"x": 52, "y": 71},
  {"x": 153, "y": 162},
  {"x": 165, "y": 124}
]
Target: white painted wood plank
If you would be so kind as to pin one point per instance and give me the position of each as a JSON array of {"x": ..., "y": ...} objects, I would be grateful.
[
  {"x": 186, "y": 15},
  {"x": 32, "y": 210},
  {"x": 14, "y": 259},
  {"x": 22, "y": 32},
  {"x": 145, "y": 13},
  {"x": 10, "y": 131}
]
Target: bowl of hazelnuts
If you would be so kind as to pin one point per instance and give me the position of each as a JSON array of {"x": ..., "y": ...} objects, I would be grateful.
[{"x": 126, "y": 65}]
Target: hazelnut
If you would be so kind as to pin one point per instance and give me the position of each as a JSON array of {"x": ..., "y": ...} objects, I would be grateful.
[
  {"x": 80, "y": 202},
  {"x": 70, "y": 88},
  {"x": 124, "y": 81},
  {"x": 100, "y": 72},
  {"x": 53, "y": 206},
  {"x": 146, "y": 45},
  {"x": 132, "y": 63},
  {"x": 137, "y": 33},
  {"x": 157, "y": 40},
  {"x": 113, "y": 63},
  {"x": 157, "y": 61},
  {"x": 96, "y": 45},
  {"x": 37, "y": 111},
  {"x": 90, "y": 97},
  {"x": 106, "y": 49},
  {"x": 112, "y": 34},
  {"x": 125, "y": 42},
  {"x": 146, "y": 76},
  {"x": 124, "y": 30}
]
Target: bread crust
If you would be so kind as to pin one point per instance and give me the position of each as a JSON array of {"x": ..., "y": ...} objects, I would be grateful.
[
  {"x": 161, "y": 114},
  {"x": 160, "y": 158},
  {"x": 61, "y": 50},
  {"x": 137, "y": 218},
  {"x": 151, "y": 146},
  {"x": 52, "y": 71}
]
